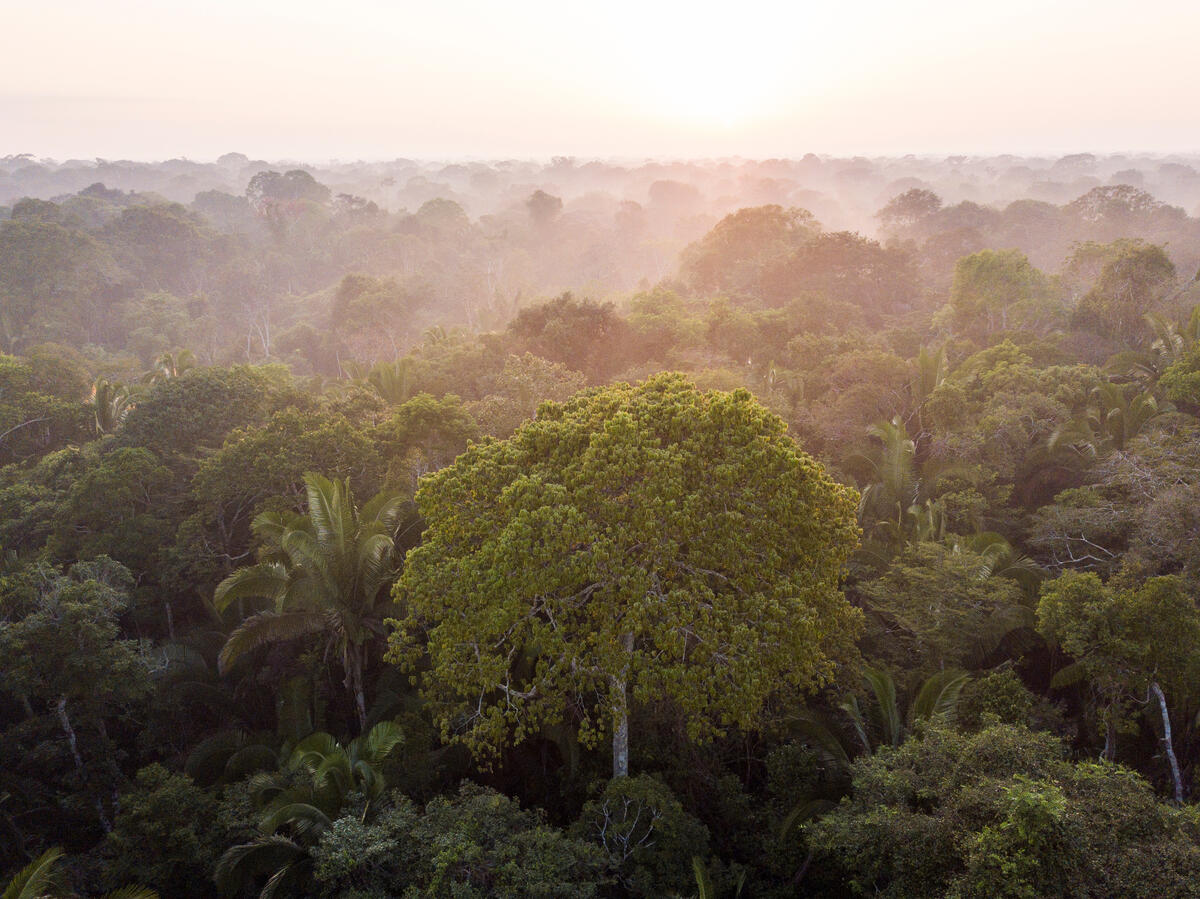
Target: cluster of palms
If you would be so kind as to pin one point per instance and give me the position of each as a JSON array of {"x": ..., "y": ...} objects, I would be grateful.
[
  {"x": 393, "y": 381},
  {"x": 1116, "y": 414},
  {"x": 317, "y": 781},
  {"x": 1119, "y": 412},
  {"x": 111, "y": 401},
  {"x": 323, "y": 574}
]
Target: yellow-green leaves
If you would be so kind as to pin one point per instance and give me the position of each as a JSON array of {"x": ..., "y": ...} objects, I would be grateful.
[{"x": 687, "y": 520}]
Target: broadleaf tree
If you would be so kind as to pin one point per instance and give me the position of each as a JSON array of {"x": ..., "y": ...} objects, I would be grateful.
[{"x": 634, "y": 544}]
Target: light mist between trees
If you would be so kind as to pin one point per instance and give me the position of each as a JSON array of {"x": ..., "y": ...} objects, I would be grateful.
[{"x": 818, "y": 526}]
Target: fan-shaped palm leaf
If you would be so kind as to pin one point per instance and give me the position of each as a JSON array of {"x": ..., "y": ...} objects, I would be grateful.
[{"x": 324, "y": 572}]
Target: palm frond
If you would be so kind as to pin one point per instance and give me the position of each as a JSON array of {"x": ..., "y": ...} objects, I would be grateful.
[
  {"x": 883, "y": 685},
  {"x": 267, "y": 627},
  {"x": 305, "y": 819},
  {"x": 823, "y": 740},
  {"x": 241, "y": 865},
  {"x": 937, "y": 699},
  {"x": 704, "y": 884},
  {"x": 804, "y": 811},
  {"x": 267, "y": 580},
  {"x": 131, "y": 892},
  {"x": 380, "y": 741},
  {"x": 39, "y": 879}
]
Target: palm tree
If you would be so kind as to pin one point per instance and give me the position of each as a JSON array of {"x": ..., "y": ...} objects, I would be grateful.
[
  {"x": 897, "y": 503},
  {"x": 40, "y": 878},
  {"x": 324, "y": 573},
  {"x": 1002, "y": 559},
  {"x": 895, "y": 481},
  {"x": 299, "y": 802},
  {"x": 1113, "y": 419},
  {"x": 1172, "y": 342},
  {"x": 929, "y": 371},
  {"x": 393, "y": 381},
  {"x": 110, "y": 402},
  {"x": 169, "y": 365},
  {"x": 883, "y": 722}
]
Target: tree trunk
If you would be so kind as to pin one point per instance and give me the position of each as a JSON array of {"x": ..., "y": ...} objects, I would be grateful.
[
  {"x": 354, "y": 682},
  {"x": 1176, "y": 777},
  {"x": 65, "y": 722},
  {"x": 620, "y": 699}
]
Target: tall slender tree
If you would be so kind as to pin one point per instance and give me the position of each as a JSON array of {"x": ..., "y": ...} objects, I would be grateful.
[{"x": 324, "y": 573}]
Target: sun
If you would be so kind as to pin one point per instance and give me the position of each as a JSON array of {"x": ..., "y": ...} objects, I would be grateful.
[{"x": 707, "y": 94}]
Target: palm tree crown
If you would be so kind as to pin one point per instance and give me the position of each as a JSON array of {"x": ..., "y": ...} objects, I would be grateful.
[{"x": 323, "y": 573}]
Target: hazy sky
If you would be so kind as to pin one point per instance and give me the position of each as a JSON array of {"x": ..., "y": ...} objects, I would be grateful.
[{"x": 149, "y": 79}]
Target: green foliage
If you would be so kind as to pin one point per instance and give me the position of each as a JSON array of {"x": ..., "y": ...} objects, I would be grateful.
[
  {"x": 732, "y": 256},
  {"x": 647, "y": 837},
  {"x": 1180, "y": 383},
  {"x": 650, "y": 558},
  {"x": 117, "y": 507},
  {"x": 675, "y": 541},
  {"x": 998, "y": 697},
  {"x": 944, "y": 606},
  {"x": 201, "y": 406},
  {"x": 322, "y": 573},
  {"x": 40, "y": 879},
  {"x": 265, "y": 464},
  {"x": 480, "y": 843},
  {"x": 66, "y": 644},
  {"x": 845, "y": 267},
  {"x": 298, "y": 804},
  {"x": 522, "y": 385},
  {"x": 580, "y": 334},
  {"x": 1001, "y": 812},
  {"x": 1133, "y": 280},
  {"x": 33, "y": 419},
  {"x": 1127, "y": 641},
  {"x": 998, "y": 291},
  {"x": 474, "y": 843},
  {"x": 423, "y": 435},
  {"x": 166, "y": 835}
]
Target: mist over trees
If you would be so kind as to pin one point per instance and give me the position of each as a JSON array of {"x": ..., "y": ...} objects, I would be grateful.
[{"x": 817, "y": 526}]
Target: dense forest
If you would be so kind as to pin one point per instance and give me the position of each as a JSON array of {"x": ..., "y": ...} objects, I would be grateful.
[{"x": 814, "y": 527}]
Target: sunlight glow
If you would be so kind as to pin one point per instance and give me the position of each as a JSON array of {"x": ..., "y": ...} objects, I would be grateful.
[{"x": 377, "y": 79}]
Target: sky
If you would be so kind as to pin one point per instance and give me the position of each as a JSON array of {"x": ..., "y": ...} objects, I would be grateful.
[{"x": 368, "y": 79}]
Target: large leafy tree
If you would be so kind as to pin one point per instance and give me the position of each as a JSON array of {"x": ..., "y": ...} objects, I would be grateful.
[
  {"x": 635, "y": 543},
  {"x": 1000, "y": 813},
  {"x": 1134, "y": 279},
  {"x": 323, "y": 573},
  {"x": 68, "y": 668},
  {"x": 731, "y": 257},
  {"x": 995, "y": 290},
  {"x": 1134, "y": 645}
]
